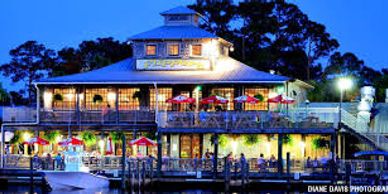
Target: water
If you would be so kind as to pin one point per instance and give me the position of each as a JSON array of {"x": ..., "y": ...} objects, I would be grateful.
[{"x": 25, "y": 189}]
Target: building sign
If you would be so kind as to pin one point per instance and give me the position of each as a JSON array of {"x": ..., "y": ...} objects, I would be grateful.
[{"x": 172, "y": 64}]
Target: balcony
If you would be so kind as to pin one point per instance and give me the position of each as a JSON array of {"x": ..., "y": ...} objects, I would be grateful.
[
  {"x": 235, "y": 120},
  {"x": 313, "y": 118},
  {"x": 29, "y": 115}
]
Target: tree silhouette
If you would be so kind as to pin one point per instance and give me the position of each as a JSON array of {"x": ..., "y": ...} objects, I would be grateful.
[{"x": 29, "y": 62}]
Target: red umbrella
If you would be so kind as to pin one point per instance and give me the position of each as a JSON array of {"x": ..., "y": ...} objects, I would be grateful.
[
  {"x": 143, "y": 141},
  {"x": 248, "y": 99},
  {"x": 37, "y": 140},
  {"x": 281, "y": 99},
  {"x": 214, "y": 99},
  {"x": 180, "y": 99},
  {"x": 71, "y": 141}
]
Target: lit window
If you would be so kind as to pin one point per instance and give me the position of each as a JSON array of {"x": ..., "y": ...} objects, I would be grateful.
[
  {"x": 196, "y": 50},
  {"x": 173, "y": 49},
  {"x": 151, "y": 50}
]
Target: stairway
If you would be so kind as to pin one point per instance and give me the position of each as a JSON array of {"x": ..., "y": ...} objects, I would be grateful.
[{"x": 361, "y": 128}]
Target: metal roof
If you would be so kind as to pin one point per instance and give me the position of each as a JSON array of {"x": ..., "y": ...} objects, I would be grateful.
[
  {"x": 174, "y": 32},
  {"x": 179, "y": 10},
  {"x": 227, "y": 70}
]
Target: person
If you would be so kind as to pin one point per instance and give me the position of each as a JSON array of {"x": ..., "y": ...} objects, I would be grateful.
[
  {"x": 105, "y": 112},
  {"x": 243, "y": 160},
  {"x": 196, "y": 161},
  {"x": 272, "y": 161},
  {"x": 308, "y": 162},
  {"x": 315, "y": 163},
  {"x": 207, "y": 154},
  {"x": 35, "y": 161},
  {"x": 58, "y": 160},
  {"x": 49, "y": 160},
  {"x": 261, "y": 162}
]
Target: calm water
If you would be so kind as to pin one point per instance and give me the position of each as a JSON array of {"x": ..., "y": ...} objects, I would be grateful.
[{"x": 13, "y": 189}]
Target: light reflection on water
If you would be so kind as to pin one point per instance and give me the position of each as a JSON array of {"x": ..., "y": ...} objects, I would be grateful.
[{"x": 25, "y": 189}]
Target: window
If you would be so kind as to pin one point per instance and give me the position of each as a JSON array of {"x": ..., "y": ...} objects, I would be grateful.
[
  {"x": 196, "y": 50},
  {"x": 99, "y": 98},
  {"x": 227, "y": 93},
  {"x": 151, "y": 50},
  {"x": 163, "y": 95},
  {"x": 255, "y": 92},
  {"x": 129, "y": 98},
  {"x": 173, "y": 49},
  {"x": 64, "y": 99}
]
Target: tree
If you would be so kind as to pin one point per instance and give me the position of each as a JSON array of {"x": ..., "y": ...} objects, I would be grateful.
[
  {"x": 29, "y": 62},
  {"x": 91, "y": 55},
  {"x": 4, "y": 96}
]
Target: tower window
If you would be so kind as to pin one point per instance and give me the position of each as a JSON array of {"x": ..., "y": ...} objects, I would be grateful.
[
  {"x": 151, "y": 50},
  {"x": 173, "y": 49},
  {"x": 196, "y": 50}
]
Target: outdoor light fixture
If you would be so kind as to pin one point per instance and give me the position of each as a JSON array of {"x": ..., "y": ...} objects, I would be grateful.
[
  {"x": 344, "y": 83},
  {"x": 111, "y": 96},
  {"x": 26, "y": 136}
]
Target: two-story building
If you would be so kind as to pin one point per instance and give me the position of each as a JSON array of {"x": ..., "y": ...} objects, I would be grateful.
[{"x": 180, "y": 58}]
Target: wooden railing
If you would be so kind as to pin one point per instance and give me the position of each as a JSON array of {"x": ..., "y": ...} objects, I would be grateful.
[
  {"x": 190, "y": 164},
  {"x": 231, "y": 120}
]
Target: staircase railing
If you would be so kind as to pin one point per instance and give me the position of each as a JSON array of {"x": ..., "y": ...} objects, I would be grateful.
[{"x": 361, "y": 126}]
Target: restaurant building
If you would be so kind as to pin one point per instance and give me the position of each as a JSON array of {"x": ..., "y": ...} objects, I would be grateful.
[{"x": 179, "y": 58}]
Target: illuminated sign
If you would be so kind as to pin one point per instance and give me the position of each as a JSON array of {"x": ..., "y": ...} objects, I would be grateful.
[{"x": 172, "y": 64}]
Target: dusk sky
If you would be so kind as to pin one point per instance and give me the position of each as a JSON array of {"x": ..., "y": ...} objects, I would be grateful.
[{"x": 360, "y": 26}]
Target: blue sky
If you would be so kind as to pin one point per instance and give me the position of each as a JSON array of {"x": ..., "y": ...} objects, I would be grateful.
[{"x": 360, "y": 26}]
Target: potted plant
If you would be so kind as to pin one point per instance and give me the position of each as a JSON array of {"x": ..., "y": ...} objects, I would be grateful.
[
  {"x": 320, "y": 143},
  {"x": 287, "y": 139},
  {"x": 251, "y": 139},
  {"x": 222, "y": 140},
  {"x": 260, "y": 97},
  {"x": 58, "y": 97},
  {"x": 97, "y": 98},
  {"x": 89, "y": 138},
  {"x": 52, "y": 136}
]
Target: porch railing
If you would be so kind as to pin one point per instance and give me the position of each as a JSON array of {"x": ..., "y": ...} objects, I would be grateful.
[
  {"x": 247, "y": 119},
  {"x": 20, "y": 114},
  {"x": 189, "y": 165}
]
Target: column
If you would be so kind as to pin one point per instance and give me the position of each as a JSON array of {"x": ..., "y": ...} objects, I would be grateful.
[
  {"x": 77, "y": 105},
  {"x": 2, "y": 146},
  {"x": 215, "y": 160},
  {"x": 333, "y": 143},
  {"x": 117, "y": 106},
  {"x": 160, "y": 147},
  {"x": 280, "y": 154}
]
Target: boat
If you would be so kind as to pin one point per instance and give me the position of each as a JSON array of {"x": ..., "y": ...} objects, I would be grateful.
[
  {"x": 75, "y": 175},
  {"x": 66, "y": 181}
]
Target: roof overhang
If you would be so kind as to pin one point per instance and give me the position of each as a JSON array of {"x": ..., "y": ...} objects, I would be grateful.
[{"x": 159, "y": 82}]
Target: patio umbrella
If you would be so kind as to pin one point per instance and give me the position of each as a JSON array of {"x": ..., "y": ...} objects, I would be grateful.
[
  {"x": 143, "y": 141},
  {"x": 71, "y": 141},
  {"x": 109, "y": 149},
  {"x": 214, "y": 100},
  {"x": 281, "y": 99},
  {"x": 248, "y": 99},
  {"x": 37, "y": 140},
  {"x": 180, "y": 99}
]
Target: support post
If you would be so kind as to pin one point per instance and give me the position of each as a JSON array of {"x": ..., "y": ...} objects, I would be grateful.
[
  {"x": 117, "y": 106},
  {"x": 77, "y": 104},
  {"x": 2, "y": 147},
  {"x": 215, "y": 156},
  {"x": 159, "y": 162},
  {"x": 332, "y": 162},
  {"x": 280, "y": 154},
  {"x": 123, "y": 162}
]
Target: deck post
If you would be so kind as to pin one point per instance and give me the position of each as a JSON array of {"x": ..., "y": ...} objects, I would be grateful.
[
  {"x": 123, "y": 162},
  {"x": 2, "y": 165},
  {"x": 280, "y": 154},
  {"x": 159, "y": 162},
  {"x": 77, "y": 109},
  {"x": 215, "y": 156},
  {"x": 332, "y": 162}
]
